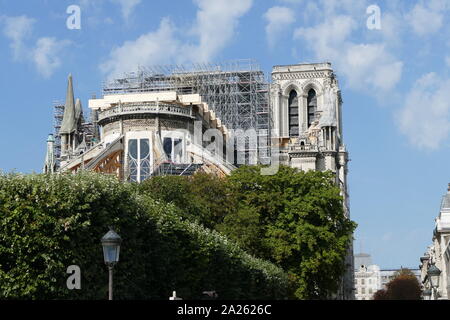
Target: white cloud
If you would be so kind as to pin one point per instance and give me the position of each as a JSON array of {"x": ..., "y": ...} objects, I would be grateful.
[
  {"x": 292, "y": 1},
  {"x": 127, "y": 7},
  {"x": 214, "y": 28},
  {"x": 278, "y": 19},
  {"x": 365, "y": 66},
  {"x": 426, "y": 20},
  {"x": 17, "y": 29},
  {"x": 370, "y": 66},
  {"x": 326, "y": 38},
  {"x": 425, "y": 116},
  {"x": 392, "y": 27},
  {"x": 46, "y": 55},
  {"x": 215, "y": 25},
  {"x": 151, "y": 48}
]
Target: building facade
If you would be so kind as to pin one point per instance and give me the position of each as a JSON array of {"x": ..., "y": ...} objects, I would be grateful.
[
  {"x": 369, "y": 278},
  {"x": 161, "y": 121},
  {"x": 367, "y": 281},
  {"x": 438, "y": 253},
  {"x": 306, "y": 107}
]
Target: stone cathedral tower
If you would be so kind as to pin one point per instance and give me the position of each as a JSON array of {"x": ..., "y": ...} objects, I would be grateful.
[{"x": 307, "y": 117}]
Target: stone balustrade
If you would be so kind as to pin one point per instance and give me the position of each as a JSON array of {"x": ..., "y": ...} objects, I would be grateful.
[{"x": 145, "y": 108}]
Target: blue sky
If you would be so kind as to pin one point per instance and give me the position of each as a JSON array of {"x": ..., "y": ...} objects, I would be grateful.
[{"x": 395, "y": 85}]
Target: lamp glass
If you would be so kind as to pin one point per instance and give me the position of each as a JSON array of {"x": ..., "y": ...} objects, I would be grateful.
[
  {"x": 434, "y": 274},
  {"x": 427, "y": 294},
  {"x": 111, "y": 253},
  {"x": 111, "y": 247},
  {"x": 434, "y": 280}
]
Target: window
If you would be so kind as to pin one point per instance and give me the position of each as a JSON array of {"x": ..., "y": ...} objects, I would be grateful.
[
  {"x": 362, "y": 281},
  {"x": 173, "y": 147},
  {"x": 363, "y": 290},
  {"x": 370, "y": 290},
  {"x": 293, "y": 114},
  {"x": 139, "y": 159},
  {"x": 312, "y": 106}
]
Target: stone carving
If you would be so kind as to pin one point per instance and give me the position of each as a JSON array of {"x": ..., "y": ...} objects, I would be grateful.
[
  {"x": 291, "y": 85},
  {"x": 328, "y": 110},
  {"x": 299, "y": 75},
  {"x": 314, "y": 131}
]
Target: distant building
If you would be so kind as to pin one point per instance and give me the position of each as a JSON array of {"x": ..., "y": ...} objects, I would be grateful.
[
  {"x": 362, "y": 259},
  {"x": 388, "y": 275},
  {"x": 438, "y": 254},
  {"x": 367, "y": 277}
]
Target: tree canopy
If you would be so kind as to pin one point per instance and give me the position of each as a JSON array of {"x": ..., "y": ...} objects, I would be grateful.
[
  {"x": 293, "y": 218},
  {"x": 404, "y": 286},
  {"x": 246, "y": 236},
  {"x": 49, "y": 222}
]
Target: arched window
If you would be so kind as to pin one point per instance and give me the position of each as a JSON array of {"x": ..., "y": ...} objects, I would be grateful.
[
  {"x": 312, "y": 106},
  {"x": 293, "y": 113}
]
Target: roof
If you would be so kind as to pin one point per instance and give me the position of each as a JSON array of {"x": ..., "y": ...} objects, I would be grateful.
[
  {"x": 362, "y": 255},
  {"x": 69, "y": 122},
  {"x": 445, "y": 204}
]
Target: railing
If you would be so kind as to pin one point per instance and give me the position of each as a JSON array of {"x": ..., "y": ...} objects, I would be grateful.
[{"x": 145, "y": 107}]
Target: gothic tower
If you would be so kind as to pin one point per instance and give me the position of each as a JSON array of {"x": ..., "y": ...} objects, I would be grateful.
[{"x": 306, "y": 109}]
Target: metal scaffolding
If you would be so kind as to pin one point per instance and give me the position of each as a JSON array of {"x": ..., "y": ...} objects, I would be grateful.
[
  {"x": 58, "y": 113},
  {"x": 87, "y": 131},
  {"x": 236, "y": 90}
]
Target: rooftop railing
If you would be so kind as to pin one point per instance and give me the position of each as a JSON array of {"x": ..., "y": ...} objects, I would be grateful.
[{"x": 145, "y": 107}]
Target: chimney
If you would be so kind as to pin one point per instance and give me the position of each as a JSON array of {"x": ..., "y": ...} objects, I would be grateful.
[{"x": 448, "y": 188}]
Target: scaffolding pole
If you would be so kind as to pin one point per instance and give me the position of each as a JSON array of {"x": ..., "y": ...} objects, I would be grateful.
[{"x": 235, "y": 90}]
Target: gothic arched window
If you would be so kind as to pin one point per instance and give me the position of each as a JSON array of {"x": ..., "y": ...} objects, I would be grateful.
[
  {"x": 293, "y": 113},
  {"x": 312, "y": 106}
]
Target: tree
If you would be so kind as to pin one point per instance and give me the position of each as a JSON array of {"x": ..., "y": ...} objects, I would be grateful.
[
  {"x": 299, "y": 219},
  {"x": 49, "y": 222},
  {"x": 202, "y": 198},
  {"x": 404, "y": 286},
  {"x": 294, "y": 219},
  {"x": 380, "y": 295}
]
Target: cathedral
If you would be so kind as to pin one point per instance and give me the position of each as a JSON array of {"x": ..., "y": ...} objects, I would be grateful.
[{"x": 210, "y": 118}]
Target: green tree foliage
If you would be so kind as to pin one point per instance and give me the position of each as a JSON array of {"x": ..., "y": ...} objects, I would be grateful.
[
  {"x": 202, "y": 198},
  {"x": 296, "y": 220},
  {"x": 48, "y": 222},
  {"x": 293, "y": 218}
]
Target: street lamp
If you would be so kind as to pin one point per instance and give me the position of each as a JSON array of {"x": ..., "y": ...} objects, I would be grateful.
[
  {"x": 434, "y": 274},
  {"x": 111, "y": 249},
  {"x": 426, "y": 294}
]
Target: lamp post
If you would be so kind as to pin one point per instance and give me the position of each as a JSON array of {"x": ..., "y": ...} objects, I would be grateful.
[
  {"x": 426, "y": 294},
  {"x": 111, "y": 249},
  {"x": 434, "y": 274}
]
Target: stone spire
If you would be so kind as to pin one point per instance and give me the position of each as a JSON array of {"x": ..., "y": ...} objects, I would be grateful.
[
  {"x": 78, "y": 110},
  {"x": 50, "y": 161},
  {"x": 69, "y": 122}
]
